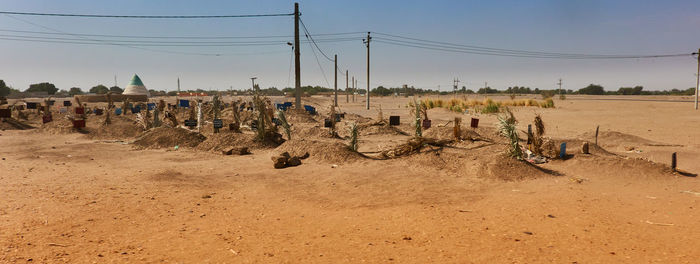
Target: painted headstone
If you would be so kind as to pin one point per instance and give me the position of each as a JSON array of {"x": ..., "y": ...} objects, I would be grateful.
[
  {"x": 394, "y": 120},
  {"x": 136, "y": 109},
  {"x": 46, "y": 119},
  {"x": 191, "y": 123},
  {"x": 79, "y": 123},
  {"x": 427, "y": 123},
  {"x": 118, "y": 111},
  {"x": 151, "y": 106},
  {"x": 5, "y": 113},
  {"x": 475, "y": 123},
  {"x": 184, "y": 103},
  {"x": 218, "y": 123},
  {"x": 67, "y": 103},
  {"x": 562, "y": 150},
  {"x": 79, "y": 110},
  {"x": 31, "y": 105}
]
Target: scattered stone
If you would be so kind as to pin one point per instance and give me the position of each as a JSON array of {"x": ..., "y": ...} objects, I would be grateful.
[
  {"x": 236, "y": 151},
  {"x": 285, "y": 160},
  {"x": 279, "y": 162},
  {"x": 293, "y": 162}
]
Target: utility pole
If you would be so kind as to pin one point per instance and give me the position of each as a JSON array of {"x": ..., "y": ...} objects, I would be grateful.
[
  {"x": 297, "y": 62},
  {"x": 354, "y": 88},
  {"x": 347, "y": 95},
  {"x": 455, "y": 86},
  {"x": 697, "y": 82},
  {"x": 559, "y": 83},
  {"x": 335, "y": 95},
  {"x": 367, "y": 41},
  {"x": 253, "y": 79},
  {"x": 115, "y": 80},
  {"x": 178, "y": 85}
]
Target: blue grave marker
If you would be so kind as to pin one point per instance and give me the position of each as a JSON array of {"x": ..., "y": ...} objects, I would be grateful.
[{"x": 562, "y": 150}]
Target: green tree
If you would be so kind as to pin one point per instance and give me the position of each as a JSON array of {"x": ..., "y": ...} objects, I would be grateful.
[
  {"x": 592, "y": 89},
  {"x": 99, "y": 89},
  {"x": 42, "y": 87},
  {"x": 116, "y": 90},
  {"x": 381, "y": 91},
  {"x": 75, "y": 90},
  {"x": 4, "y": 90}
]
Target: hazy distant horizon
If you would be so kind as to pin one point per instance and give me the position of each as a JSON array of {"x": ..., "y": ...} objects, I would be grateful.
[{"x": 591, "y": 27}]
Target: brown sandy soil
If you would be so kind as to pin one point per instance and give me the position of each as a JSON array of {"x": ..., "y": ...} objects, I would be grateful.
[{"x": 67, "y": 197}]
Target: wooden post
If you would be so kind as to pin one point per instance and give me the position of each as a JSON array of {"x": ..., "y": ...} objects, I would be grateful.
[
  {"x": 596, "y": 135},
  {"x": 297, "y": 62},
  {"x": 335, "y": 85},
  {"x": 673, "y": 161}
]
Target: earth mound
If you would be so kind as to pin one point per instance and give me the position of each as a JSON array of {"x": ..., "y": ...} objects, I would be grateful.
[
  {"x": 13, "y": 124},
  {"x": 330, "y": 151},
  {"x": 120, "y": 128},
  {"x": 505, "y": 168},
  {"x": 168, "y": 137},
  {"x": 221, "y": 141}
]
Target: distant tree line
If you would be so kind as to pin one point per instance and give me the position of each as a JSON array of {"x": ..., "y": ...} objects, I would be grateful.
[{"x": 591, "y": 89}]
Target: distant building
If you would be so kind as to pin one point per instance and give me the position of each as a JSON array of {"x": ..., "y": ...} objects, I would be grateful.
[{"x": 136, "y": 87}]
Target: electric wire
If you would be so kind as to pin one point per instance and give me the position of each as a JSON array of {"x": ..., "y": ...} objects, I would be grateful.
[
  {"x": 141, "y": 17},
  {"x": 319, "y": 65},
  {"x": 173, "y": 37},
  {"x": 451, "y": 47}
]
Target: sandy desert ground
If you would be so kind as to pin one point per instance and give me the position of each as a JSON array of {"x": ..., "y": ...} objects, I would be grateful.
[{"x": 99, "y": 197}]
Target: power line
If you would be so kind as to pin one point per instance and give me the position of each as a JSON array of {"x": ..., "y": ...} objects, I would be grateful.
[
  {"x": 173, "y": 37},
  {"x": 141, "y": 17},
  {"x": 452, "y": 47},
  {"x": 319, "y": 63},
  {"x": 116, "y": 44},
  {"x": 308, "y": 36},
  {"x": 515, "y": 54},
  {"x": 165, "y": 43}
]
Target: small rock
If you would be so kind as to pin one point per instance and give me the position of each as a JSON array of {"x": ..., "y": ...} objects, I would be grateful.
[
  {"x": 334, "y": 166},
  {"x": 293, "y": 161},
  {"x": 527, "y": 233},
  {"x": 584, "y": 148},
  {"x": 206, "y": 196}
]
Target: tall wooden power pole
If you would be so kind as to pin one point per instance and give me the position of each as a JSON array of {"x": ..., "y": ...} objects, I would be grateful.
[
  {"x": 297, "y": 63},
  {"x": 455, "y": 86},
  {"x": 335, "y": 100},
  {"x": 347, "y": 95},
  {"x": 559, "y": 83},
  {"x": 697, "y": 82},
  {"x": 354, "y": 88},
  {"x": 367, "y": 41}
]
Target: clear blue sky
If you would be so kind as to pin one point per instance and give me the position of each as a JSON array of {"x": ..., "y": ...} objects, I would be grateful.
[{"x": 595, "y": 27}]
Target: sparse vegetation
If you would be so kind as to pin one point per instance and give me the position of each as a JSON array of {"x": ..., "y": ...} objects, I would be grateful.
[
  {"x": 507, "y": 127},
  {"x": 353, "y": 137},
  {"x": 485, "y": 106},
  {"x": 285, "y": 124}
]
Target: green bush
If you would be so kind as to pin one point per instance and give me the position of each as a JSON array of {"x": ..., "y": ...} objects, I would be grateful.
[{"x": 491, "y": 108}]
